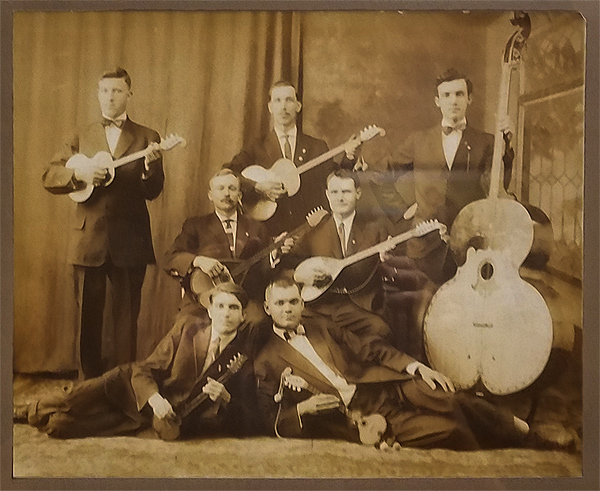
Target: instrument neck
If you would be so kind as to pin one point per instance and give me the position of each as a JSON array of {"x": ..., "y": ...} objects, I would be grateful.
[
  {"x": 321, "y": 158},
  {"x": 378, "y": 248},
  {"x": 130, "y": 158}
]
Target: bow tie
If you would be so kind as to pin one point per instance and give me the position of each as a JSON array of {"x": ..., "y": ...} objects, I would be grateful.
[
  {"x": 289, "y": 334},
  {"x": 459, "y": 127},
  {"x": 111, "y": 122}
]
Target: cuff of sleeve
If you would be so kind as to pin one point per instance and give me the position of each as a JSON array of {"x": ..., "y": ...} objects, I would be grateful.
[{"x": 411, "y": 368}]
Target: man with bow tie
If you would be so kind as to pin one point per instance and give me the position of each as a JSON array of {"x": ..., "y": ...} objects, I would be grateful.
[
  {"x": 285, "y": 140},
  {"x": 437, "y": 172},
  {"x": 187, "y": 362},
  {"x": 224, "y": 237},
  {"x": 110, "y": 233},
  {"x": 420, "y": 405}
]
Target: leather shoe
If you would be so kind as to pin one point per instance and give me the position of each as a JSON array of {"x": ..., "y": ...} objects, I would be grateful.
[
  {"x": 20, "y": 413},
  {"x": 551, "y": 437}
]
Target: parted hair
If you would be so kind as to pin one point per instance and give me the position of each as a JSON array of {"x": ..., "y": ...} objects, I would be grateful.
[
  {"x": 118, "y": 72},
  {"x": 451, "y": 74}
]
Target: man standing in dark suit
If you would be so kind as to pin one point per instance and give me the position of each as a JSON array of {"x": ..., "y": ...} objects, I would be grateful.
[
  {"x": 187, "y": 362},
  {"x": 110, "y": 235},
  {"x": 419, "y": 404},
  {"x": 220, "y": 239},
  {"x": 286, "y": 141},
  {"x": 449, "y": 165}
]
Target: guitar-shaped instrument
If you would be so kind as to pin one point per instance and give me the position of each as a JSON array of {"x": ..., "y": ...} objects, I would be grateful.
[
  {"x": 169, "y": 427},
  {"x": 105, "y": 160},
  {"x": 487, "y": 323},
  {"x": 286, "y": 172},
  {"x": 370, "y": 428},
  {"x": 318, "y": 274},
  {"x": 200, "y": 282}
]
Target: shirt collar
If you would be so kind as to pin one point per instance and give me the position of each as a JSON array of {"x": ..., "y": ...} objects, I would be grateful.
[
  {"x": 222, "y": 217},
  {"x": 121, "y": 117},
  {"x": 292, "y": 133},
  {"x": 446, "y": 122},
  {"x": 280, "y": 332},
  {"x": 346, "y": 221},
  {"x": 225, "y": 338}
]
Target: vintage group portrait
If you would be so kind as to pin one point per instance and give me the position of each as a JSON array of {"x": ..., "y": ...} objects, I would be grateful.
[{"x": 298, "y": 243}]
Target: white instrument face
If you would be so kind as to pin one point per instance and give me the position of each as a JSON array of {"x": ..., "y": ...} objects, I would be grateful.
[
  {"x": 284, "y": 171},
  {"x": 104, "y": 160}
]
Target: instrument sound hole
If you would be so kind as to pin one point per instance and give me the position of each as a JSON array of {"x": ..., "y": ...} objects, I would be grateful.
[{"x": 486, "y": 271}]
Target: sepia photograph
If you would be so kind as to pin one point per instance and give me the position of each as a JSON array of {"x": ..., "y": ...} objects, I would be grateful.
[{"x": 296, "y": 243}]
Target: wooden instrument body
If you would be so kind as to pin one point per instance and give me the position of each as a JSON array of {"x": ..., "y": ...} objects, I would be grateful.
[
  {"x": 370, "y": 427},
  {"x": 104, "y": 160},
  {"x": 78, "y": 161},
  {"x": 286, "y": 172},
  {"x": 487, "y": 323}
]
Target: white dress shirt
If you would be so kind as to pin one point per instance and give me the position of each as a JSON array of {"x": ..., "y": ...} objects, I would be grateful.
[
  {"x": 216, "y": 340},
  {"x": 348, "y": 221},
  {"x": 291, "y": 137},
  {"x": 450, "y": 142},
  {"x": 233, "y": 217},
  {"x": 303, "y": 346},
  {"x": 113, "y": 133}
]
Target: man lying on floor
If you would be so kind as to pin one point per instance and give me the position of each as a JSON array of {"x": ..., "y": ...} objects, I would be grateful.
[
  {"x": 310, "y": 385},
  {"x": 202, "y": 359}
]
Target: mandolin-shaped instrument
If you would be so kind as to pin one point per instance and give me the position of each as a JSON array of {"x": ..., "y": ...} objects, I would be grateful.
[
  {"x": 105, "y": 160},
  {"x": 286, "y": 172},
  {"x": 169, "y": 428},
  {"x": 318, "y": 274},
  {"x": 370, "y": 428},
  {"x": 201, "y": 283},
  {"x": 487, "y": 323}
]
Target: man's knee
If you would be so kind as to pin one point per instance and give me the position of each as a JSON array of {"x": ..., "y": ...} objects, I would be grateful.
[{"x": 59, "y": 426}]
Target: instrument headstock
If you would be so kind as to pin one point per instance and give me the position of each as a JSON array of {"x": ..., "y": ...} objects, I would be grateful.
[
  {"x": 236, "y": 362},
  {"x": 315, "y": 216},
  {"x": 370, "y": 132},
  {"x": 171, "y": 141},
  {"x": 424, "y": 228},
  {"x": 295, "y": 382},
  {"x": 512, "y": 51}
]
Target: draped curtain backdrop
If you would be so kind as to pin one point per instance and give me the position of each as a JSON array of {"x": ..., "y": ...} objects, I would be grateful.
[{"x": 204, "y": 76}]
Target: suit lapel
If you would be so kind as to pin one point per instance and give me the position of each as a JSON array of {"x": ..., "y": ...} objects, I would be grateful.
[
  {"x": 301, "y": 153},
  {"x": 333, "y": 239},
  {"x": 125, "y": 140},
  {"x": 215, "y": 228},
  {"x": 437, "y": 147},
  {"x": 356, "y": 238},
  {"x": 242, "y": 234},
  {"x": 272, "y": 148},
  {"x": 98, "y": 138},
  {"x": 201, "y": 344}
]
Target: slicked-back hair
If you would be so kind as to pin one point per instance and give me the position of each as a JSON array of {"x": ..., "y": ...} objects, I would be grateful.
[
  {"x": 224, "y": 172},
  {"x": 452, "y": 74},
  {"x": 344, "y": 174},
  {"x": 282, "y": 83},
  {"x": 118, "y": 72},
  {"x": 281, "y": 282},
  {"x": 232, "y": 289}
]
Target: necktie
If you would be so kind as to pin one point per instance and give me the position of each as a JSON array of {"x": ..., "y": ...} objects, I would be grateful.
[
  {"x": 111, "y": 122},
  {"x": 214, "y": 350},
  {"x": 229, "y": 232},
  {"x": 287, "y": 148},
  {"x": 342, "y": 234},
  {"x": 459, "y": 127}
]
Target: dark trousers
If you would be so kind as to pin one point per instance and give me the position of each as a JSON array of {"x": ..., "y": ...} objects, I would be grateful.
[
  {"x": 83, "y": 410},
  {"x": 90, "y": 291},
  {"x": 418, "y": 416}
]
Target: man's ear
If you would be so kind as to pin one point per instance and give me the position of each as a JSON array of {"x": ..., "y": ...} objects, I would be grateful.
[
  {"x": 209, "y": 194},
  {"x": 266, "y": 307},
  {"x": 436, "y": 99},
  {"x": 270, "y": 108},
  {"x": 358, "y": 193},
  {"x": 469, "y": 98}
]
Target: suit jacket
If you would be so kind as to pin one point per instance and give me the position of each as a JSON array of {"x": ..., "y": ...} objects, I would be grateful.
[
  {"x": 205, "y": 236},
  {"x": 176, "y": 364},
  {"x": 114, "y": 221},
  {"x": 377, "y": 363},
  {"x": 362, "y": 278},
  {"x": 440, "y": 193},
  {"x": 291, "y": 211}
]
